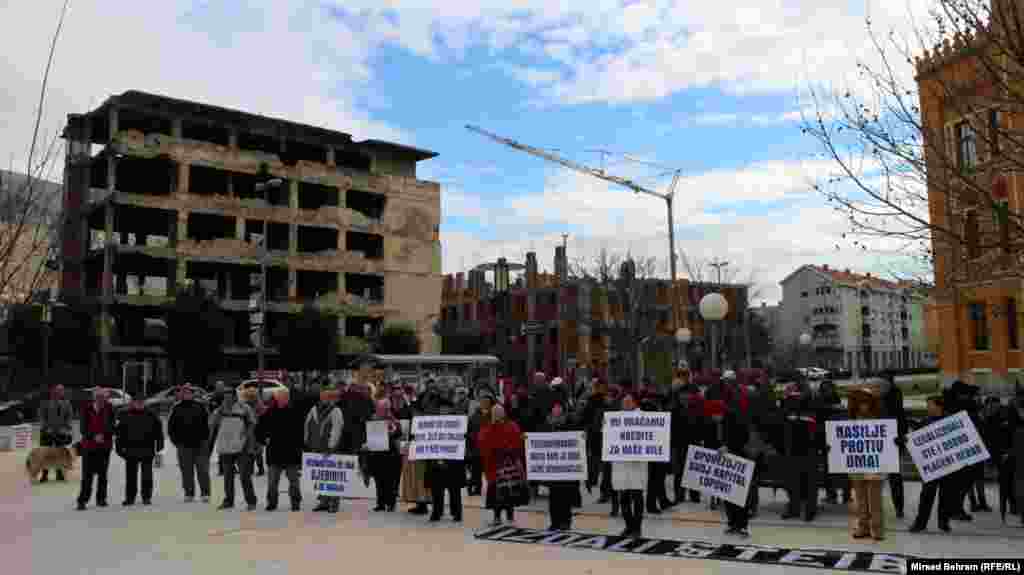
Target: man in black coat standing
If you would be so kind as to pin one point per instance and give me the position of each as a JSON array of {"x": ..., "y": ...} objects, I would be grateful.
[
  {"x": 189, "y": 430},
  {"x": 282, "y": 430},
  {"x": 892, "y": 408},
  {"x": 139, "y": 437}
]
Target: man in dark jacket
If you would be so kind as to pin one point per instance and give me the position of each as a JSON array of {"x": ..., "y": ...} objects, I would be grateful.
[
  {"x": 189, "y": 431},
  {"x": 892, "y": 408},
  {"x": 800, "y": 456},
  {"x": 735, "y": 433},
  {"x": 281, "y": 428},
  {"x": 55, "y": 425},
  {"x": 592, "y": 416},
  {"x": 657, "y": 472},
  {"x": 688, "y": 428},
  {"x": 942, "y": 486},
  {"x": 828, "y": 407},
  {"x": 140, "y": 436},
  {"x": 97, "y": 429}
]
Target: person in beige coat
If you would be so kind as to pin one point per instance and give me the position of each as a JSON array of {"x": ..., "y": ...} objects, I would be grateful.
[
  {"x": 629, "y": 480},
  {"x": 865, "y": 402}
]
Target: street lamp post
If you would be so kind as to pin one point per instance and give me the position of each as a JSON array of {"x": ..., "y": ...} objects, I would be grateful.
[
  {"x": 264, "y": 188},
  {"x": 714, "y": 307},
  {"x": 683, "y": 337}
]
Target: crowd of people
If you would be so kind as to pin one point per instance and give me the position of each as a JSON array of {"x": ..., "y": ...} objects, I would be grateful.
[{"x": 784, "y": 436}]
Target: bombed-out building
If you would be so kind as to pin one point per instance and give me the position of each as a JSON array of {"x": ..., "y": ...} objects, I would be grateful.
[{"x": 161, "y": 193}]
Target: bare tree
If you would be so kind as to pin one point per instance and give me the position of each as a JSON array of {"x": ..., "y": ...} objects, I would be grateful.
[
  {"x": 604, "y": 266},
  {"x": 942, "y": 137},
  {"x": 28, "y": 226},
  {"x": 700, "y": 270}
]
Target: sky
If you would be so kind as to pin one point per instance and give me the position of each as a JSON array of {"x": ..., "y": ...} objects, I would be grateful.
[{"x": 714, "y": 90}]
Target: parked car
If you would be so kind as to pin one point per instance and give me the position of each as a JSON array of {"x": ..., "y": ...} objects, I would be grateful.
[{"x": 267, "y": 387}]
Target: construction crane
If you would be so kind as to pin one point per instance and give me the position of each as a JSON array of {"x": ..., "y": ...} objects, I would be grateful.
[{"x": 600, "y": 174}]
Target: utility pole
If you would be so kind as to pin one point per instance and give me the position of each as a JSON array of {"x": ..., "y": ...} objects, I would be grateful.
[{"x": 718, "y": 265}]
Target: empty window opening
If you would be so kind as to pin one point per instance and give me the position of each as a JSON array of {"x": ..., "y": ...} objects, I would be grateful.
[
  {"x": 277, "y": 237},
  {"x": 206, "y": 227},
  {"x": 98, "y": 173},
  {"x": 313, "y": 239},
  {"x": 369, "y": 204},
  {"x": 253, "y": 231},
  {"x": 259, "y": 143},
  {"x": 278, "y": 195},
  {"x": 316, "y": 196},
  {"x": 311, "y": 285},
  {"x": 365, "y": 327},
  {"x": 245, "y": 282},
  {"x": 277, "y": 284},
  {"x": 144, "y": 176},
  {"x": 203, "y": 132},
  {"x": 128, "y": 119},
  {"x": 295, "y": 151},
  {"x": 352, "y": 159},
  {"x": 366, "y": 286},
  {"x": 371, "y": 245},
  {"x": 206, "y": 181},
  {"x": 244, "y": 186}
]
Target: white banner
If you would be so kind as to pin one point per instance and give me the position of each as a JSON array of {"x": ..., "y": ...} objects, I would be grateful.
[
  {"x": 438, "y": 437},
  {"x": 556, "y": 456},
  {"x": 863, "y": 446},
  {"x": 330, "y": 475},
  {"x": 377, "y": 435},
  {"x": 948, "y": 445},
  {"x": 637, "y": 436},
  {"x": 718, "y": 475}
]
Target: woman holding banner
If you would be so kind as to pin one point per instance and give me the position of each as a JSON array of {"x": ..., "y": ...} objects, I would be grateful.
[
  {"x": 565, "y": 495},
  {"x": 503, "y": 452},
  {"x": 629, "y": 480}
]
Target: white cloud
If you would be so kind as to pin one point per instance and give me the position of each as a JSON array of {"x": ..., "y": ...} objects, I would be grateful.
[
  {"x": 285, "y": 60},
  {"x": 647, "y": 50}
]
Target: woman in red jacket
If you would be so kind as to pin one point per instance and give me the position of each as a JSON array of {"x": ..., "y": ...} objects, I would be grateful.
[{"x": 498, "y": 443}]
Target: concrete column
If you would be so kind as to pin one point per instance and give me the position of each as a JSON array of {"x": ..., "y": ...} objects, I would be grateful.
[
  {"x": 342, "y": 245},
  {"x": 182, "y": 219},
  {"x": 293, "y": 239},
  {"x": 180, "y": 273},
  {"x": 182, "y": 179},
  {"x": 111, "y": 173},
  {"x": 293, "y": 194},
  {"x": 108, "y": 224},
  {"x": 330, "y": 155},
  {"x": 240, "y": 228},
  {"x": 293, "y": 284},
  {"x": 233, "y": 138},
  {"x": 341, "y": 289},
  {"x": 176, "y": 127},
  {"x": 172, "y": 278},
  {"x": 172, "y": 230},
  {"x": 230, "y": 191},
  {"x": 229, "y": 291}
]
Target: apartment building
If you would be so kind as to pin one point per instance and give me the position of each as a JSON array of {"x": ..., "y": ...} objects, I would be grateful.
[
  {"x": 566, "y": 325},
  {"x": 971, "y": 118},
  {"x": 851, "y": 318},
  {"x": 164, "y": 192}
]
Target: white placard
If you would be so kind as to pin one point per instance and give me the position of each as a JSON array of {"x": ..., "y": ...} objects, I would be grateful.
[
  {"x": 560, "y": 456},
  {"x": 718, "y": 475},
  {"x": 377, "y": 435},
  {"x": 330, "y": 475},
  {"x": 438, "y": 437},
  {"x": 863, "y": 446},
  {"x": 948, "y": 445},
  {"x": 637, "y": 436}
]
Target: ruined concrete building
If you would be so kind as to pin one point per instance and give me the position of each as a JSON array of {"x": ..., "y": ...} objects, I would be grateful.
[{"x": 163, "y": 192}]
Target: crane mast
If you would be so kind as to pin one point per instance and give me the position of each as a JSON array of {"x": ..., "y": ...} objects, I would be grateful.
[{"x": 600, "y": 174}]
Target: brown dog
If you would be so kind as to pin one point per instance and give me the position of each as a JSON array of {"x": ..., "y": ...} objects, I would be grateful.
[{"x": 50, "y": 458}]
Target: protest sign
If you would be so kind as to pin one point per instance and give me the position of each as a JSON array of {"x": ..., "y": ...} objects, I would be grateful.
[
  {"x": 377, "y": 435},
  {"x": 862, "y": 446},
  {"x": 438, "y": 437},
  {"x": 556, "y": 456},
  {"x": 948, "y": 445},
  {"x": 329, "y": 475},
  {"x": 637, "y": 436},
  {"x": 718, "y": 475}
]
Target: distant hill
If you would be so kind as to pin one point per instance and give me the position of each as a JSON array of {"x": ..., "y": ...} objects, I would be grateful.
[{"x": 45, "y": 196}]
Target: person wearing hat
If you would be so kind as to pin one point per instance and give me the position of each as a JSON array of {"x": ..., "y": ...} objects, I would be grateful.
[
  {"x": 323, "y": 428},
  {"x": 800, "y": 455},
  {"x": 233, "y": 432},
  {"x": 187, "y": 427},
  {"x": 866, "y": 403},
  {"x": 479, "y": 421},
  {"x": 281, "y": 429},
  {"x": 139, "y": 437}
]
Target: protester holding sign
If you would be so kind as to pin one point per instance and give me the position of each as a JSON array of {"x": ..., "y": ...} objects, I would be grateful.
[
  {"x": 945, "y": 490},
  {"x": 735, "y": 433},
  {"x": 386, "y": 466},
  {"x": 629, "y": 478},
  {"x": 501, "y": 447},
  {"x": 324, "y": 425},
  {"x": 866, "y": 403},
  {"x": 446, "y": 472},
  {"x": 564, "y": 495}
]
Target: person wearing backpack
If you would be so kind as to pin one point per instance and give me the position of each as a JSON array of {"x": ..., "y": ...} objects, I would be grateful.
[{"x": 233, "y": 431}]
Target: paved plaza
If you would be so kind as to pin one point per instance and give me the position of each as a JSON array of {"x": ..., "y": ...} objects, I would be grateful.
[{"x": 42, "y": 533}]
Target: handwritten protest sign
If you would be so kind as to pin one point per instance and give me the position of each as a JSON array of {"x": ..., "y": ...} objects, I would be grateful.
[
  {"x": 948, "y": 445},
  {"x": 718, "y": 475},
  {"x": 438, "y": 437},
  {"x": 862, "y": 446},
  {"x": 377, "y": 435},
  {"x": 637, "y": 436},
  {"x": 330, "y": 475},
  {"x": 556, "y": 456}
]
